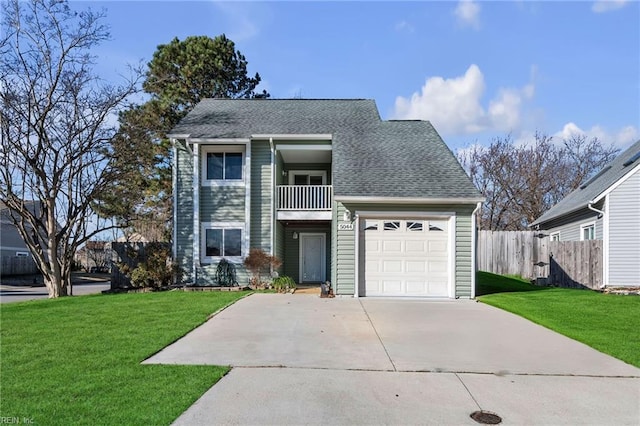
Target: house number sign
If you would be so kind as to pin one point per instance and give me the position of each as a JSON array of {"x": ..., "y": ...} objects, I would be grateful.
[{"x": 348, "y": 226}]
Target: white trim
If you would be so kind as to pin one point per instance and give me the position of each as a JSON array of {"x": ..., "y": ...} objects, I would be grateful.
[
  {"x": 223, "y": 225},
  {"x": 242, "y": 149},
  {"x": 407, "y": 200},
  {"x": 300, "y": 137},
  {"x": 605, "y": 242},
  {"x": 282, "y": 147},
  {"x": 375, "y": 214},
  {"x": 247, "y": 200},
  {"x": 616, "y": 184},
  {"x": 323, "y": 254},
  {"x": 356, "y": 288},
  {"x": 213, "y": 141},
  {"x": 474, "y": 249},
  {"x": 586, "y": 225},
  {"x": 196, "y": 211},
  {"x": 272, "y": 222},
  {"x": 304, "y": 215},
  {"x": 174, "y": 185},
  {"x": 293, "y": 173},
  {"x": 553, "y": 234},
  {"x": 451, "y": 264}
]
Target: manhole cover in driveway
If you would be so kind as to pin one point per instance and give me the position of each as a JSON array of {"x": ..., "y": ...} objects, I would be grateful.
[{"x": 486, "y": 417}]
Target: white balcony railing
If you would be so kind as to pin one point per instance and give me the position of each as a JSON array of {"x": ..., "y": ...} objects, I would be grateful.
[{"x": 304, "y": 197}]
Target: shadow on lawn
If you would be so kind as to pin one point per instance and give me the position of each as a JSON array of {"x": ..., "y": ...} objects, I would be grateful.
[{"x": 488, "y": 283}]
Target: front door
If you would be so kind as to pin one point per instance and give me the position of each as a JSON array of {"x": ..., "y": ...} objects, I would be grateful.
[{"x": 312, "y": 257}]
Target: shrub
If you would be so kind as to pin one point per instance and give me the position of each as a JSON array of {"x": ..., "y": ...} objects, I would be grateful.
[
  {"x": 154, "y": 269},
  {"x": 260, "y": 263},
  {"x": 283, "y": 284},
  {"x": 226, "y": 274}
]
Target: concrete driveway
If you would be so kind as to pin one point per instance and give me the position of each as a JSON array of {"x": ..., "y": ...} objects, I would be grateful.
[{"x": 300, "y": 359}]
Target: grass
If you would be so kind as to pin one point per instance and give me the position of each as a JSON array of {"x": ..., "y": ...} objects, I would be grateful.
[
  {"x": 606, "y": 322},
  {"x": 77, "y": 360}
]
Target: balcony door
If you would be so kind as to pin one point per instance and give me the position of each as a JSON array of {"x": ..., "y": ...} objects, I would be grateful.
[{"x": 307, "y": 177}]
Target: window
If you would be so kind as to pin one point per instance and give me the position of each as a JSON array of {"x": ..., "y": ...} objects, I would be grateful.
[
  {"x": 22, "y": 254},
  {"x": 222, "y": 240},
  {"x": 588, "y": 232},
  {"x": 391, "y": 226},
  {"x": 415, "y": 226},
  {"x": 370, "y": 225},
  {"x": 437, "y": 225},
  {"x": 555, "y": 236},
  {"x": 224, "y": 166}
]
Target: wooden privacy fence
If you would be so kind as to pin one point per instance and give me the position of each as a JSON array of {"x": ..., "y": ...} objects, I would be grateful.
[
  {"x": 531, "y": 255},
  {"x": 18, "y": 265}
]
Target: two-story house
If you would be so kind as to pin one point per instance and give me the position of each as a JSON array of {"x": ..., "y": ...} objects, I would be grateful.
[{"x": 378, "y": 208}]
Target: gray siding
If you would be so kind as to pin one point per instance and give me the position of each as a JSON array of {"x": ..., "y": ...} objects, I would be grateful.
[
  {"x": 184, "y": 211},
  {"x": 222, "y": 204},
  {"x": 624, "y": 233},
  {"x": 344, "y": 243},
  {"x": 343, "y": 255},
  {"x": 569, "y": 226},
  {"x": 261, "y": 193}
]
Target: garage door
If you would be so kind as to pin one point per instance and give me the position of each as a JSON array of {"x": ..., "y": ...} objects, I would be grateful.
[{"x": 406, "y": 257}]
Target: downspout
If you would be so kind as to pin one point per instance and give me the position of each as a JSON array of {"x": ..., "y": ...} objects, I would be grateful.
[
  {"x": 273, "y": 195},
  {"x": 174, "y": 184},
  {"x": 605, "y": 244},
  {"x": 474, "y": 231}
]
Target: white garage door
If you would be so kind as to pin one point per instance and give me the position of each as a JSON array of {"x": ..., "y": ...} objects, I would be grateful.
[{"x": 405, "y": 257}]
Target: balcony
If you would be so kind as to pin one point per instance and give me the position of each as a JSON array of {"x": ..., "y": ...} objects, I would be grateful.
[{"x": 304, "y": 202}]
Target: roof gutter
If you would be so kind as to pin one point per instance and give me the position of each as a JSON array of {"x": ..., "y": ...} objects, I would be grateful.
[
  {"x": 406, "y": 200},
  {"x": 590, "y": 207}
]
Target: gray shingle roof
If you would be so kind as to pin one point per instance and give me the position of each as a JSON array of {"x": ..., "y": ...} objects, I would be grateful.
[
  {"x": 602, "y": 181},
  {"x": 371, "y": 157}
]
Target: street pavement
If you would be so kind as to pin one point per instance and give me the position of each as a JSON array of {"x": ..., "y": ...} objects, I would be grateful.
[
  {"x": 300, "y": 359},
  {"x": 20, "y": 289}
]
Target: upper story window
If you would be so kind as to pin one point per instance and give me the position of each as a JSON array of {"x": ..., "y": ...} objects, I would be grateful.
[
  {"x": 588, "y": 232},
  {"x": 223, "y": 165},
  {"x": 555, "y": 236}
]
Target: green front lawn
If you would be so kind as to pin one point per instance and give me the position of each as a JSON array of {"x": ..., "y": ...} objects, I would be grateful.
[
  {"x": 77, "y": 360},
  {"x": 607, "y": 322}
]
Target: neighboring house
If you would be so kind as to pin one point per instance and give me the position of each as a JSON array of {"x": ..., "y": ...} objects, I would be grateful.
[
  {"x": 378, "y": 208},
  {"x": 606, "y": 208},
  {"x": 13, "y": 250}
]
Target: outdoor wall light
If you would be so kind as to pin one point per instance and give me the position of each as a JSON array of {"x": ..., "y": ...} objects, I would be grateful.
[
  {"x": 346, "y": 216},
  {"x": 295, "y": 235}
]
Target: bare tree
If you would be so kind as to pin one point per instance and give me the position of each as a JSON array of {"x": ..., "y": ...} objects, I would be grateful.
[
  {"x": 55, "y": 156},
  {"x": 520, "y": 183}
]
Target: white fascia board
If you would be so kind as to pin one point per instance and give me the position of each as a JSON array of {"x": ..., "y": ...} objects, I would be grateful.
[
  {"x": 178, "y": 135},
  {"x": 289, "y": 137},
  {"x": 615, "y": 184},
  {"x": 371, "y": 214},
  {"x": 303, "y": 147},
  {"x": 303, "y": 215},
  {"x": 213, "y": 141},
  {"x": 407, "y": 200}
]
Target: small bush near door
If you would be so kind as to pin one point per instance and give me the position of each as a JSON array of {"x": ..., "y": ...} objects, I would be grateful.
[
  {"x": 260, "y": 264},
  {"x": 284, "y": 284}
]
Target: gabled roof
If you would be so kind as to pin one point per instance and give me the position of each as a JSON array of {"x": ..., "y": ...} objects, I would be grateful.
[
  {"x": 241, "y": 118},
  {"x": 371, "y": 158},
  {"x": 594, "y": 189}
]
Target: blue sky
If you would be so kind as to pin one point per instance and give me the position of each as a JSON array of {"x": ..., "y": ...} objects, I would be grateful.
[{"x": 475, "y": 69}]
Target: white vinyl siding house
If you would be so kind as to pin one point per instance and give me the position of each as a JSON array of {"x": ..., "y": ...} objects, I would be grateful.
[{"x": 606, "y": 208}]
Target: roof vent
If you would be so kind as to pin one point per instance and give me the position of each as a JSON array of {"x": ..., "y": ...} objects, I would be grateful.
[
  {"x": 632, "y": 159},
  {"x": 590, "y": 181}
]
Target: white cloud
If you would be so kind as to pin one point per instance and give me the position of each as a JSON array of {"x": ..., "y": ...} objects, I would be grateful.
[
  {"x": 454, "y": 105},
  {"x": 621, "y": 138},
  {"x": 608, "y": 5},
  {"x": 404, "y": 26},
  {"x": 243, "y": 18},
  {"x": 468, "y": 13}
]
